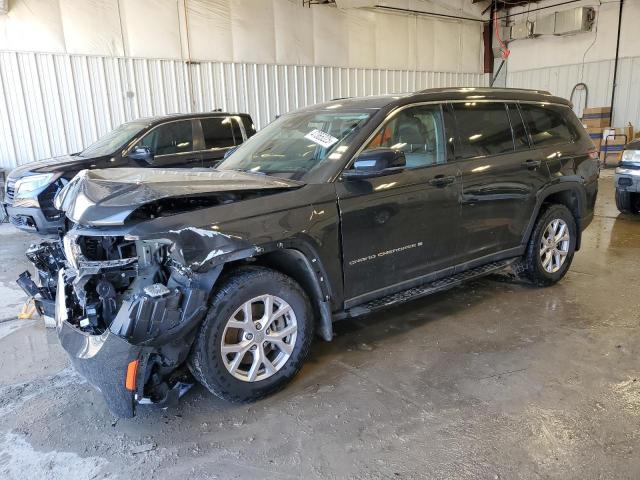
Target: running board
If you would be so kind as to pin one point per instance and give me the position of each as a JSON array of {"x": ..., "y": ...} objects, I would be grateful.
[{"x": 426, "y": 289}]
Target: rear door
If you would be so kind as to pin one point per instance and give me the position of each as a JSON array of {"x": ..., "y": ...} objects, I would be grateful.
[
  {"x": 398, "y": 229},
  {"x": 172, "y": 144},
  {"x": 219, "y": 135},
  {"x": 552, "y": 134},
  {"x": 500, "y": 177}
]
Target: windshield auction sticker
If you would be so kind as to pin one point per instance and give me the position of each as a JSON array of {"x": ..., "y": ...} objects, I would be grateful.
[{"x": 321, "y": 138}]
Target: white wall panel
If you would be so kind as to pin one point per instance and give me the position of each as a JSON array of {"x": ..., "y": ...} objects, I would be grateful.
[
  {"x": 598, "y": 76},
  {"x": 33, "y": 25},
  {"x": 250, "y": 31},
  {"x": 52, "y": 104},
  {"x": 293, "y": 42},
  {"x": 92, "y": 25},
  {"x": 254, "y": 36},
  {"x": 151, "y": 28},
  {"x": 331, "y": 38},
  {"x": 210, "y": 31}
]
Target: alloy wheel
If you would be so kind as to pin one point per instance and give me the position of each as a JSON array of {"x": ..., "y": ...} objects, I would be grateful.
[
  {"x": 554, "y": 245},
  {"x": 259, "y": 338}
]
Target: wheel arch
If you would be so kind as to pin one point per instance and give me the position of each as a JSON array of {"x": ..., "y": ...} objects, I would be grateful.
[
  {"x": 307, "y": 271},
  {"x": 571, "y": 194}
]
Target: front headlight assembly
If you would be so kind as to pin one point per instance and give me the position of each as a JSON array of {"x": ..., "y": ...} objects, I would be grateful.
[
  {"x": 71, "y": 249},
  {"x": 25, "y": 186},
  {"x": 631, "y": 156}
]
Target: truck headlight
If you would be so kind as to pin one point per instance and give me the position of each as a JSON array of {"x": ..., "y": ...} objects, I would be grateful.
[
  {"x": 71, "y": 250},
  {"x": 631, "y": 156},
  {"x": 27, "y": 185}
]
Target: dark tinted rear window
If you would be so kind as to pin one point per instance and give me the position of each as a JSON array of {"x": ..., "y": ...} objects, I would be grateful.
[
  {"x": 548, "y": 124},
  {"x": 217, "y": 132},
  {"x": 483, "y": 129},
  {"x": 249, "y": 127}
]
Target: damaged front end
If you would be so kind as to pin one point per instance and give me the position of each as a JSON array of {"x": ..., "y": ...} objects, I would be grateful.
[
  {"x": 130, "y": 283},
  {"x": 125, "y": 312}
]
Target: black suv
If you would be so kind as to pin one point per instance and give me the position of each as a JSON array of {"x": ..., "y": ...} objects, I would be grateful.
[
  {"x": 330, "y": 212},
  {"x": 187, "y": 141}
]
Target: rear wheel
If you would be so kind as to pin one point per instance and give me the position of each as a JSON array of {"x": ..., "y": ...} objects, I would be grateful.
[
  {"x": 551, "y": 246},
  {"x": 255, "y": 337}
]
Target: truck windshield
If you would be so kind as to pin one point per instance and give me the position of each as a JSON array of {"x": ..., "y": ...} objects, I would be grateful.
[
  {"x": 114, "y": 140},
  {"x": 298, "y": 143}
]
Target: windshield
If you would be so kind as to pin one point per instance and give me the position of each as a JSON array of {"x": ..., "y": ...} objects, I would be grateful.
[
  {"x": 113, "y": 140},
  {"x": 298, "y": 143}
]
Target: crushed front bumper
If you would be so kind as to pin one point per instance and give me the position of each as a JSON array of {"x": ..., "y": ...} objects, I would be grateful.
[{"x": 103, "y": 360}]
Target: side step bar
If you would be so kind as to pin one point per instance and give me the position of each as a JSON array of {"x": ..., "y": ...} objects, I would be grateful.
[{"x": 426, "y": 289}]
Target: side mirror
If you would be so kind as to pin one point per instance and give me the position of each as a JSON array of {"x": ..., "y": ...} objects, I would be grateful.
[
  {"x": 141, "y": 154},
  {"x": 376, "y": 163}
]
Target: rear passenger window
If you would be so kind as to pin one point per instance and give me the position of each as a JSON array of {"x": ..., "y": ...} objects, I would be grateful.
[
  {"x": 483, "y": 129},
  {"x": 218, "y": 132},
  {"x": 546, "y": 125},
  {"x": 249, "y": 127},
  {"x": 416, "y": 131},
  {"x": 520, "y": 137},
  {"x": 237, "y": 133}
]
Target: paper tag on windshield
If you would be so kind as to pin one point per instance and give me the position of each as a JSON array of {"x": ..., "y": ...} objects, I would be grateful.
[{"x": 321, "y": 138}]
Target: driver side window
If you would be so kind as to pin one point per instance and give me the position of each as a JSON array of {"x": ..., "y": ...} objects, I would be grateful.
[
  {"x": 169, "y": 138},
  {"x": 416, "y": 131}
]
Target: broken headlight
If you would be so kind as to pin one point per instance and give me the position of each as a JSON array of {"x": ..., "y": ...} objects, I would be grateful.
[{"x": 71, "y": 250}]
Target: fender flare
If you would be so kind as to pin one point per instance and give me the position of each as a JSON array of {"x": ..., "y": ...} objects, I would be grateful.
[
  {"x": 574, "y": 185},
  {"x": 299, "y": 260}
]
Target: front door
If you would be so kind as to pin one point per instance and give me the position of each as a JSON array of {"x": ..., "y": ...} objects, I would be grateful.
[
  {"x": 397, "y": 230},
  {"x": 172, "y": 144}
]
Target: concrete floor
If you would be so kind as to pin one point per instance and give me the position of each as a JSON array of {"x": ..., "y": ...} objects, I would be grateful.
[{"x": 491, "y": 380}]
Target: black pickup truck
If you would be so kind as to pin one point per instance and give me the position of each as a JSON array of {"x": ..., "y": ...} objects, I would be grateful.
[
  {"x": 180, "y": 140},
  {"x": 330, "y": 212}
]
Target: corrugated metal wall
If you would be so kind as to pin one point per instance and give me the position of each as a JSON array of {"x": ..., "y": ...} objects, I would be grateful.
[
  {"x": 598, "y": 76},
  {"x": 53, "y": 104}
]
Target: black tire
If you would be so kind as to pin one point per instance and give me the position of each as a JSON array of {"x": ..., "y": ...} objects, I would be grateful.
[
  {"x": 205, "y": 360},
  {"x": 532, "y": 268},
  {"x": 623, "y": 201}
]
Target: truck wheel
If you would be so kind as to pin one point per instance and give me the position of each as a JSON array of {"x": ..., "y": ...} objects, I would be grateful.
[
  {"x": 623, "y": 201},
  {"x": 255, "y": 337},
  {"x": 551, "y": 246}
]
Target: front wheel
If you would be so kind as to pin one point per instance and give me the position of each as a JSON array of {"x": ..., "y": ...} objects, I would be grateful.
[
  {"x": 627, "y": 202},
  {"x": 551, "y": 246},
  {"x": 255, "y": 337}
]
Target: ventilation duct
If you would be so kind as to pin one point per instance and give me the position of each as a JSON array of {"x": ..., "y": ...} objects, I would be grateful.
[{"x": 567, "y": 22}]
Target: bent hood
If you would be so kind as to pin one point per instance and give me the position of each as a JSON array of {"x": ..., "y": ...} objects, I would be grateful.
[{"x": 108, "y": 197}]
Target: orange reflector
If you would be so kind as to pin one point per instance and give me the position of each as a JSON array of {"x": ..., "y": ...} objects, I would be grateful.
[{"x": 132, "y": 372}]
